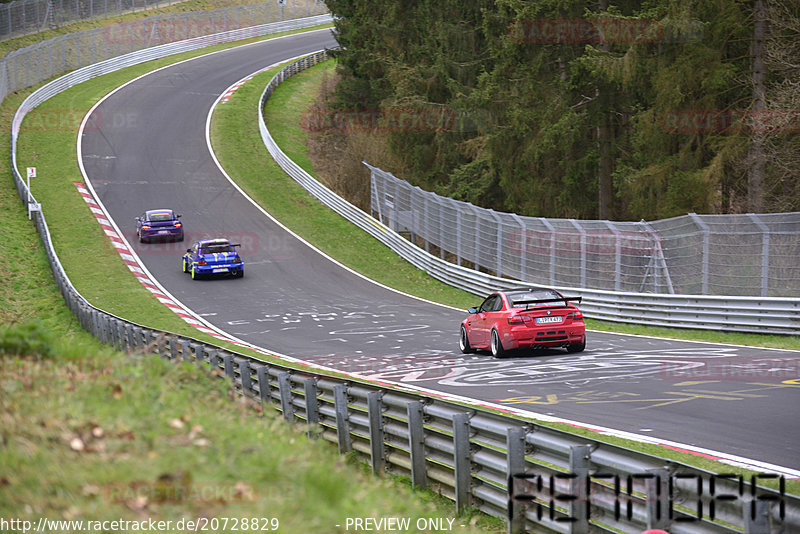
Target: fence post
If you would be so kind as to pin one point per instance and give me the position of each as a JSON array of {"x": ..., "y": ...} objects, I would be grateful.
[
  {"x": 462, "y": 460},
  {"x": 245, "y": 375},
  {"x": 285, "y": 390},
  {"x": 312, "y": 406},
  {"x": 342, "y": 423},
  {"x": 227, "y": 360},
  {"x": 416, "y": 444},
  {"x": 658, "y": 498},
  {"x": 262, "y": 372},
  {"x": 376, "y": 448},
  {"x": 756, "y": 516},
  {"x": 515, "y": 447},
  {"x": 579, "y": 488}
]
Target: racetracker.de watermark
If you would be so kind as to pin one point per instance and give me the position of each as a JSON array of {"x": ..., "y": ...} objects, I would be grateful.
[
  {"x": 731, "y": 121},
  {"x": 67, "y": 120},
  {"x": 733, "y": 369},
  {"x": 249, "y": 242},
  {"x": 178, "y": 493},
  {"x": 601, "y": 31},
  {"x": 383, "y": 120}
]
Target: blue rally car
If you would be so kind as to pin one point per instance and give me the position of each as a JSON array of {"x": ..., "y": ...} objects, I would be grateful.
[
  {"x": 159, "y": 224},
  {"x": 213, "y": 256}
]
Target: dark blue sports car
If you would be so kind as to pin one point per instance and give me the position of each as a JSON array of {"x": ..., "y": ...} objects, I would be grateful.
[
  {"x": 159, "y": 224},
  {"x": 213, "y": 256}
]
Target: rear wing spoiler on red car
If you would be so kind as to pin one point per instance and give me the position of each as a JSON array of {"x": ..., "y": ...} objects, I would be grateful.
[{"x": 565, "y": 300}]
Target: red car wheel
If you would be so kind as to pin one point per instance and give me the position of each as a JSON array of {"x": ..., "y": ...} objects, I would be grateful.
[
  {"x": 496, "y": 345},
  {"x": 463, "y": 342}
]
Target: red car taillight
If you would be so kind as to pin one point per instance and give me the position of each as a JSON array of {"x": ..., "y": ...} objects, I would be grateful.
[
  {"x": 577, "y": 316},
  {"x": 519, "y": 319}
]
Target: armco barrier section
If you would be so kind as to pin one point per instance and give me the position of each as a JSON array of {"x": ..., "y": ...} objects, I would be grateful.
[
  {"x": 742, "y": 314},
  {"x": 541, "y": 479}
]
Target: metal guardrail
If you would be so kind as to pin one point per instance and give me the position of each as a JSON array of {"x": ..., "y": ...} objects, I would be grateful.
[
  {"x": 541, "y": 479},
  {"x": 742, "y": 314}
]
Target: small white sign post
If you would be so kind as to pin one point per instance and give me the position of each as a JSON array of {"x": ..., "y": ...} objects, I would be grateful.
[{"x": 32, "y": 206}]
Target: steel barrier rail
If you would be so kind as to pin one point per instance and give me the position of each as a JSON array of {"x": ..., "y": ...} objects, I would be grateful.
[{"x": 472, "y": 455}]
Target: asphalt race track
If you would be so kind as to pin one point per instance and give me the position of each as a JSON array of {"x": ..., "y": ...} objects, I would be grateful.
[{"x": 145, "y": 148}]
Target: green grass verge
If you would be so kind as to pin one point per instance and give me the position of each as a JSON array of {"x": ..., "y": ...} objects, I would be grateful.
[{"x": 90, "y": 434}]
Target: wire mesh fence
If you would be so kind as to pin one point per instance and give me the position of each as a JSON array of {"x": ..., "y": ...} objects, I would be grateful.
[
  {"x": 732, "y": 255},
  {"x": 22, "y": 17},
  {"x": 33, "y": 64}
]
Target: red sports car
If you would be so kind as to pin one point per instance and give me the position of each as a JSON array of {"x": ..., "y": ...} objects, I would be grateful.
[{"x": 524, "y": 318}]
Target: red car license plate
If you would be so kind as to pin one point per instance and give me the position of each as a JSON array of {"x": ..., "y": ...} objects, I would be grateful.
[{"x": 547, "y": 320}]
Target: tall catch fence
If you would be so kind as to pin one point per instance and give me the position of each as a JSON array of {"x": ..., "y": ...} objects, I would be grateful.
[
  {"x": 39, "y": 62},
  {"x": 724, "y": 255},
  {"x": 22, "y": 17}
]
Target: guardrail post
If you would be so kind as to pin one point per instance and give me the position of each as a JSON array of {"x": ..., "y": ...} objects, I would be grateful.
[
  {"x": 285, "y": 389},
  {"x": 515, "y": 447},
  {"x": 244, "y": 373},
  {"x": 227, "y": 360},
  {"x": 129, "y": 344},
  {"x": 173, "y": 348},
  {"x": 342, "y": 423},
  {"x": 376, "y": 448},
  {"x": 416, "y": 444},
  {"x": 578, "y": 488},
  {"x": 462, "y": 460},
  {"x": 213, "y": 359},
  {"x": 658, "y": 496},
  {"x": 757, "y": 516},
  {"x": 262, "y": 375},
  {"x": 186, "y": 351},
  {"x": 138, "y": 337},
  {"x": 112, "y": 331},
  {"x": 312, "y": 406}
]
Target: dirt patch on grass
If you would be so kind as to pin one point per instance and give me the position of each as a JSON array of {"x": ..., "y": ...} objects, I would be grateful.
[{"x": 337, "y": 152}]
